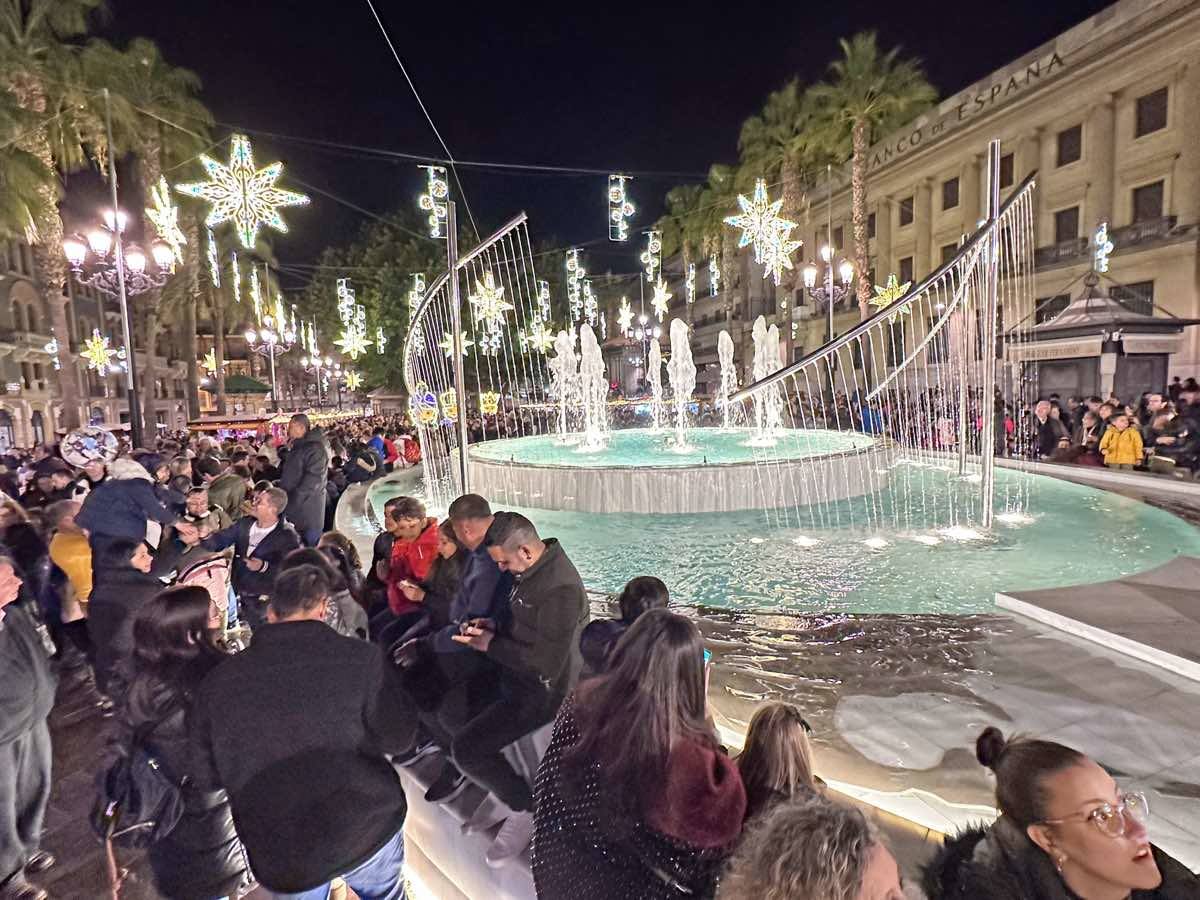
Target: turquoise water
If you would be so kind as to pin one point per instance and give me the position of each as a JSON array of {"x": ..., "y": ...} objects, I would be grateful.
[
  {"x": 643, "y": 447},
  {"x": 751, "y": 560}
]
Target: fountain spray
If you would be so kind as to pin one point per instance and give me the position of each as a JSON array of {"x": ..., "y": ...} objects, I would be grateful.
[
  {"x": 728, "y": 374},
  {"x": 654, "y": 377},
  {"x": 563, "y": 368},
  {"x": 593, "y": 384},
  {"x": 682, "y": 373}
]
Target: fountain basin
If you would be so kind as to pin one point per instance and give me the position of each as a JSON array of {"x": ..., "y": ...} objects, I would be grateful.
[{"x": 641, "y": 471}]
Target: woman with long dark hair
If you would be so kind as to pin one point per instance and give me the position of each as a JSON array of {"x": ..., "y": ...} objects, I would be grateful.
[
  {"x": 122, "y": 584},
  {"x": 635, "y": 797},
  {"x": 175, "y": 638}
]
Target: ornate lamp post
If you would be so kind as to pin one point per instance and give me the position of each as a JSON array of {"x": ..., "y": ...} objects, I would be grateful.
[
  {"x": 829, "y": 293},
  {"x": 316, "y": 364},
  {"x": 646, "y": 333},
  {"x": 269, "y": 342}
]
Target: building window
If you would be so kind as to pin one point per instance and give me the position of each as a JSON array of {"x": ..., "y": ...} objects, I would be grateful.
[
  {"x": 948, "y": 252},
  {"x": 839, "y": 235},
  {"x": 1148, "y": 202},
  {"x": 950, "y": 193},
  {"x": 1151, "y": 113},
  {"x": 96, "y": 417},
  {"x": 1066, "y": 225},
  {"x": 1070, "y": 145},
  {"x": 1138, "y": 296},
  {"x": 871, "y": 225},
  {"x": 7, "y": 436},
  {"x": 37, "y": 423},
  {"x": 906, "y": 269},
  {"x": 1006, "y": 170},
  {"x": 906, "y": 211},
  {"x": 1048, "y": 308}
]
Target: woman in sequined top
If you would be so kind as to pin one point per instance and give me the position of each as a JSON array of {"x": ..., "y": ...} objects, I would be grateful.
[{"x": 635, "y": 797}]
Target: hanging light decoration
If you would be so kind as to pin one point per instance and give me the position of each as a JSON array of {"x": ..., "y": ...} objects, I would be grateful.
[
  {"x": 255, "y": 295},
  {"x": 380, "y": 340},
  {"x": 543, "y": 298},
  {"x": 164, "y": 215},
  {"x": 447, "y": 343},
  {"x": 353, "y": 380},
  {"x": 1102, "y": 248},
  {"x": 661, "y": 300},
  {"x": 575, "y": 276},
  {"x": 97, "y": 353},
  {"x": 214, "y": 260},
  {"x": 489, "y": 403},
  {"x": 449, "y": 402},
  {"x": 620, "y": 210},
  {"x": 590, "y": 306},
  {"x": 353, "y": 340},
  {"x": 417, "y": 292},
  {"x": 625, "y": 316},
  {"x": 538, "y": 339},
  {"x": 236, "y": 272},
  {"x": 433, "y": 201},
  {"x": 488, "y": 303},
  {"x": 423, "y": 404},
  {"x": 690, "y": 283},
  {"x": 714, "y": 276},
  {"x": 51, "y": 347},
  {"x": 652, "y": 256}
]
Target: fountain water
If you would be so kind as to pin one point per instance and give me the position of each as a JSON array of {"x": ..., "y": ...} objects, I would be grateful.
[
  {"x": 654, "y": 377},
  {"x": 593, "y": 386},
  {"x": 682, "y": 373},
  {"x": 728, "y": 375},
  {"x": 767, "y": 402},
  {"x": 563, "y": 372}
]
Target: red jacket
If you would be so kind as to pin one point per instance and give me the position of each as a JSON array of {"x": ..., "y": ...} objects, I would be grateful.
[
  {"x": 391, "y": 453},
  {"x": 411, "y": 561}
]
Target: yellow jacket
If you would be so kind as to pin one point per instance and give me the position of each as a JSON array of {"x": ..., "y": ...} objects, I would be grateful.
[
  {"x": 71, "y": 553},
  {"x": 1121, "y": 447}
]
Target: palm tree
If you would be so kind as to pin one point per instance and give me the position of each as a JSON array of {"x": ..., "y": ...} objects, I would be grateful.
[
  {"x": 40, "y": 71},
  {"x": 717, "y": 200},
  {"x": 157, "y": 117},
  {"x": 871, "y": 92},
  {"x": 24, "y": 179},
  {"x": 679, "y": 227}
]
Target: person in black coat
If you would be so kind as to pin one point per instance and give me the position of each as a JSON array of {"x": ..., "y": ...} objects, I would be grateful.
[
  {"x": 295, "y": 728},
  {"x": 260, "y": 540},
  {"x": 174, "y": 648},
  {"x": 600, "y": 635},
  {"x": 123, "y": 583},
  {"x": 27, "y": 686},
  {"x": 303, "y": 477}
]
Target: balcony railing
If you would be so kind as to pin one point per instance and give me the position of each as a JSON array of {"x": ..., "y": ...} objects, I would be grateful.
[
  {"x": 1142, "y": 232},
  {"x": 1064, "y": 252}
]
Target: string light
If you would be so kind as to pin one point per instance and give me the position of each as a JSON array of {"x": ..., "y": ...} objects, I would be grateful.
[
  {"x": 449, "y": 401},
  {"x": 447, "y": 343},
  {"x": 892, "y": 291},
  {"x": 97, "y": 353},
  {"x": 433, "y": 201},
  {"x": 240, "y": 194},
  {"x": 620, "y": 210},
  {"x": 489, "y": 403},
  {"x": 214, "y": 260},
  {"x": 417, "y": 292},
  {"x": 1103, "y": 248},
  {"x": 661, "y": 300},
  {"x": 164, "y": 215},
  {"x": 543, "y": 298},
  {"x": 652, "y": 256},
  {"x": 690, "y": 283},
  {"x": 625, "y": 315},
  {"x": 423, "y": 404},
  {"x": 714, "y": 277}
]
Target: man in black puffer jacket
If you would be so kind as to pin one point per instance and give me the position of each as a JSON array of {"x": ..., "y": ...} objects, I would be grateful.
[{"x": 303, "y": 477}]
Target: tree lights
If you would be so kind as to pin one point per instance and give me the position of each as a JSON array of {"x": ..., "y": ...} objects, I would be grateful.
[
  {"x": 620, "y": 210},
  {"x": 241, "y": 194},
  {"x": 689, "y": 283},
  {"x": 214, "y": 260},
  {"x": 433, "y": 201}
]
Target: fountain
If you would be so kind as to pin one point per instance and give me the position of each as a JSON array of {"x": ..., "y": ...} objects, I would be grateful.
[
  {"x": 593, "y": 387},
  {"x": 728, "y": 375},
  {"x": 767, "y": 403},
  {"x": 682, "y": 373},
  {"x": 654, "y": 377},
  {"x": 563, "y": 368}
]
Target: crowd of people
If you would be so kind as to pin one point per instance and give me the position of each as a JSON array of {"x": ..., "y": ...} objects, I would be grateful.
[{"x": 278, "y": 706}]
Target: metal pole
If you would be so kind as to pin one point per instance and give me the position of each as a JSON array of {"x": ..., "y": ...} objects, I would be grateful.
[
  {"x": 460, "y": 380},
  {"x": 829, "y": 244},
  {"x": 987, "y": 437},
  {"x": 135, "y": 407},
  {"x": 274, "y": 389},
  {"x": 963, "y": 353}
]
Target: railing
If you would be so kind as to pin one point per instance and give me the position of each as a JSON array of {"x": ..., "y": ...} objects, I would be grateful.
[
  {"x": 1064, "y": 252},
  {"x": 1142, "y": 232}
]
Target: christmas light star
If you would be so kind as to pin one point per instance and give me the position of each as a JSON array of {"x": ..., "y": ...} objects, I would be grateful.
[
  {"x": 353, "y": 381},
  {"x": 539, "y": 338},
  {"x": 777, "y": 255},
  {"x": 661, "y": 300},
  {"x": 888, "y": 294},
  {"x": 759, "y": 220},
  {"x": 165, "y": 217},
  {"x": 353, "y": 342},
  {"x": 240, "y": 194},
  {"x": 489, "y": 303},
  {"x": 97, "y": 352},
  {"x": 625, "y": 315},
  {"x": 447, "y": 343},
  {"x": 209, "y": 363}
]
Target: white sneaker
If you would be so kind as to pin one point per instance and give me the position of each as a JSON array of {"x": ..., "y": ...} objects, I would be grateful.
[
  {"x": 515, "y": 835},
  {"x": 491, "y": 812}
]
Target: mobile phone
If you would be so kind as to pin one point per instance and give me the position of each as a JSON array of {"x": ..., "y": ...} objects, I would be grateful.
[{"x": 707, "y": 656}]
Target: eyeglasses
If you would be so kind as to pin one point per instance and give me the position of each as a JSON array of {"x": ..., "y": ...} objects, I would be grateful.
[{"x": 1112, "y": 820}]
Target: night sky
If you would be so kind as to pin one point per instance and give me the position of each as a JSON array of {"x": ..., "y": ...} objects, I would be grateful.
[{"x": 656, "y": 88}]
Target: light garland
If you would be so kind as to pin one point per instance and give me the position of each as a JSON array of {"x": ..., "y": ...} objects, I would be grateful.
[
  {"x": 447, "y": 343},
  {"x": 489, "y": 403},
  {"x": 620, "y": 210},
  {"x": 690, "y": 283},
  {"x": 164, "y": 215},
  {"x": 660, "y": 303},
  {"x": 625, "y": 315},
  {"x": 433, "y": 201},
  {"x": 714, "y": 277},
  {"x": 214, "y": 259},
  {"x": 652, "y": 256},
  {"x": 97, "y": 353},
  {"x": 1102, "y": 248},
  {"x": 892, "y": 291},
  {"x": 240, "y": 194},
  {"x": 417, "y": 292},
  {"x": 575, "y": 276}
]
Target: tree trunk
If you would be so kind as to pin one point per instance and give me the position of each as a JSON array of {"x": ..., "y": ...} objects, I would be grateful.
[
  {"x": 858, "y": 214},
  {"x": 218, "y": 321},
  {"x": 792, "y": 194},
  {"x": 190, "y": 351}
]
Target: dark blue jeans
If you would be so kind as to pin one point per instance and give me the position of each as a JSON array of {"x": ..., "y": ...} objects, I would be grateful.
[{"x": 380, "y": 878}]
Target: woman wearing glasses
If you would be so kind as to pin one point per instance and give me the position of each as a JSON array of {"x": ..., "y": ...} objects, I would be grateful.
[{"x": 1066, "y": 832}]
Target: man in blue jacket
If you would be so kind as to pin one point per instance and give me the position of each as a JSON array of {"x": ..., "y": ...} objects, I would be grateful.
[{"x": 124, "y": 505}]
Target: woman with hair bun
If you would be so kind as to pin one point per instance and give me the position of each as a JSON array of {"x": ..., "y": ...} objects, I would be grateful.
[{"x": 1066, "y": 832}]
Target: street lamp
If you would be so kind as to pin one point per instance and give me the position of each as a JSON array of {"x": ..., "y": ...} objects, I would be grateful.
[
  {"x": 270, "y": 343},
  {"x": 316, "y": 364},
  {"x": 646, "y": 333},
  {"x": 829, "y": 293}
]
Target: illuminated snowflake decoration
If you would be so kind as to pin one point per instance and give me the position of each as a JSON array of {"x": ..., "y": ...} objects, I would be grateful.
[
  {"x": 777, "y": 255},
  {"x": 714, "y": 277},
  {"x": 165, "y": 217},
  {"x": 241, "y": 194},
  {"x": 423, "y": 404},
  {"x": 625, "y": 315},
  {"x": 489, "y": 403},
  {"x": 888, "y": 294},
  {"x": 661, "y": 301},
  {"x": 353, "y": 381},
  {"x": 449, "y": 401},
  {"x": 539, "y": 338},
  {"x": 488, "y": 303},
  {"x": 97, "y": 353},
  {"x": 447, "y": 343},
  {"x": 760, "y": 221},
  {"x": 354, "y": 342}
]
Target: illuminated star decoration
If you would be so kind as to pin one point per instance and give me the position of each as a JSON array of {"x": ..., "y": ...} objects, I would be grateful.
[
  {"x": 209, "y": 363},
  {"x": 625, "y": 315},
  {"x": 760, "y": 221},
  {"x": 214, "y": 261},
  {"x": 447, "y": 343},
  {"x": 97, "y": 353},
  {"x": 423, "y": 404},
  {"x": 489, "y": 402},
  {"x": 353, "y": 342},
  {"x": 489, "y": 303},
  {"x": 777, "y": 255},
  {"x": 242, "y": 195},
  {"x": 539, "y": 338},
  {"x": 353, "y": 381},
  {"x": 888, "y": 294},
  {"x": 165, "y": 217},
  {"x": 661, "y": 300},
  {"x": 449, "y": 401}
]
